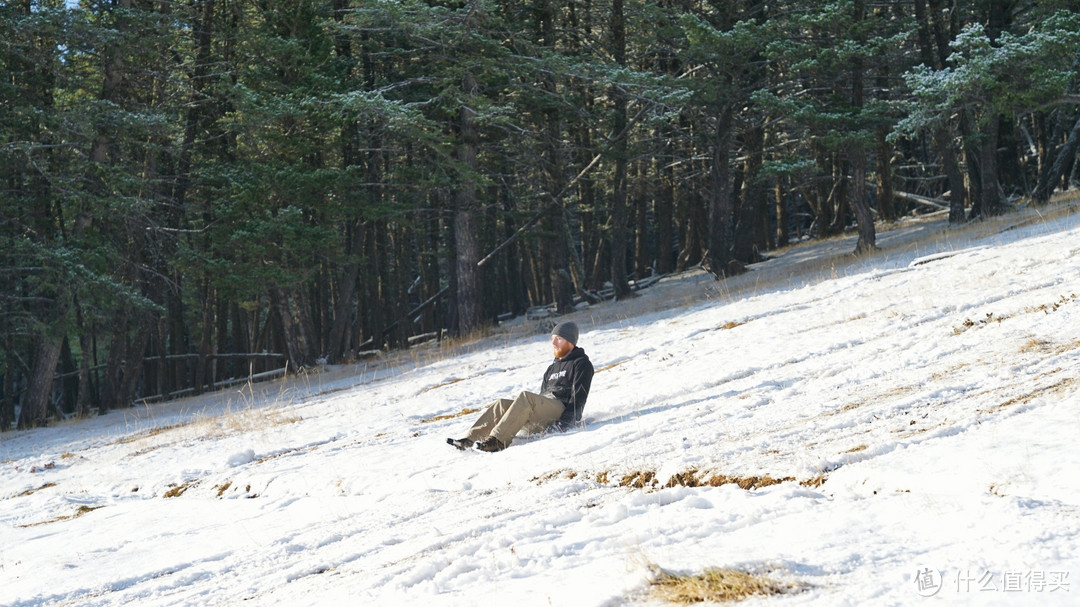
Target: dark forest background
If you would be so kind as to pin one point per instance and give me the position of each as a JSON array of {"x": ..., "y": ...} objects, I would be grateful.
[{"x": 205, "y": 190}]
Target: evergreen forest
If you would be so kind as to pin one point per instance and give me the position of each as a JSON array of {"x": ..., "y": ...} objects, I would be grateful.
[{"x": 202, "y": 191}]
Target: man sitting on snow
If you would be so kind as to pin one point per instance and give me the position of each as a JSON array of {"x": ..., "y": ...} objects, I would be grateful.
[{"x": 558, "y": 405}]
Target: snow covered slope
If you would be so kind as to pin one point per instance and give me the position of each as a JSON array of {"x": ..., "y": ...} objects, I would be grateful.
[{"x": 877, "y": 430}]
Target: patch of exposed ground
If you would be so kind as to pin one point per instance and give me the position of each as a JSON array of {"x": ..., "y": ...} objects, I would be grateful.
[
  {"x": 79, "y": 512},
  {"x": 996, "y": 318},
  {"x": 1066, "y": 384},
  {"x": 715, "y": 585},
  {"x": 439, "y": 418},
  {"x": 691, "y": 477},
  {"x": 178, "y": 490},
  {"x": 33, "y": 491}
]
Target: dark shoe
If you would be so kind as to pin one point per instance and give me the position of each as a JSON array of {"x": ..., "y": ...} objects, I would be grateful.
[
  {"x": 460, "y": 443},
  {"x": 490, "y": 445}
]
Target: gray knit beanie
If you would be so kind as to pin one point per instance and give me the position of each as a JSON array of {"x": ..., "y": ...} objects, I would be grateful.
[{"x": 566, "y": 330}]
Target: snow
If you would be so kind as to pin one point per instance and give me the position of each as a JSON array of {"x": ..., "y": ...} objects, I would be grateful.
[{"x": 921, "y": 403}]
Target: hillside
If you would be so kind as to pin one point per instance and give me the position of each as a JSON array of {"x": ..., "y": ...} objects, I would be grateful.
[{"x": 846, "y": 427}]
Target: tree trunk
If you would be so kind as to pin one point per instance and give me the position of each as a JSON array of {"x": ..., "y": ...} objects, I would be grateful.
[
  {"x": 82, "y": 398},
  {"x": 577, "y": 269},
  {"x": 133, "y": 367},
  {"x": 997, "y": 21},
  {"x": 587, "y": 215},
  {"x": 665, "y": 207},
  {"x": 972, "y": 174},
  {"x": 374, "y": 321},
  {"x": 35, "y": 405},
  {"x": 886, "y": 197},
  {"x": 205, "y": 338},
  {"x": 342, "y": 312},
  {"x": 781, "y": 213},
  {"x": 279, "y": 302},
  {"x": 241, "y": 336},
  {"x": 820, "y": 195},
  {"x": 719, "y": 219},
  {"x": 619, "y": 218},
  {"x": 1056, "y": 170},
  {"x": 466, "y": 241},
  {"x": 310, "y": 346},
  {"x": 934, "y": 50},
  {"x": 7, "y": 396},
  {"x": 693, "y": 212},
  {"x": 751, "y": 237},
  {"x": 863, "y": 216},
  {"x": 337, "y": 332},
  {"x": 990, "y": 202},
  {"x": 114, "y": 362},
  {"x": 950, "y": 157},
  {"x": 562, "y": 283},
  {"x": 642, "y": 194}
]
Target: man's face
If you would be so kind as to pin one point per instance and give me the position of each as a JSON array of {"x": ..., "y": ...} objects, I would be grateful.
[{"x": 560, "y": 346}]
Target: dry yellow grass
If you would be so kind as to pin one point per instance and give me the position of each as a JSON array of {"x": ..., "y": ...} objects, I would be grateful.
[
  {"x": 462, "y": 413},
  {"x": 33, "y": 491},
  {"x": 177, "y": 490},
  {"x": 714, "y": 584},
  {"x": 218, "y": 426},
  {"x": 81, "y": 511},
  {"x": 691, "y": 477}
]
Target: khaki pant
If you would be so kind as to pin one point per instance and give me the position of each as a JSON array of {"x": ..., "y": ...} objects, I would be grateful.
[{"x": 504, "y": 417}]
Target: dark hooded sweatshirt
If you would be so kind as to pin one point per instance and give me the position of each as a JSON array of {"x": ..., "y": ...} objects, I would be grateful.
[{"x": 568, "y": 380}]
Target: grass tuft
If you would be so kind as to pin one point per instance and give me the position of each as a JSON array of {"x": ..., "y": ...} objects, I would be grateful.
[
  {"x": 639, "y": 480},
  {"x": 81, "y": 511},
  {"x": 33, "y": 491},
  {"x": 462, "y": 413},
  {"x": 177, "y": 491},
  {"x": 747, "y": 482},
  {"x": 691, "y": 477},
  {"x": 715, "y": 585}
]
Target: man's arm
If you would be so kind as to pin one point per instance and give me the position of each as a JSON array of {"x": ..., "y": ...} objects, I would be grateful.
[{"x": 580, "y": 383}]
